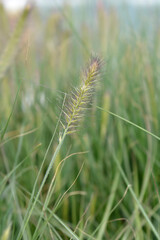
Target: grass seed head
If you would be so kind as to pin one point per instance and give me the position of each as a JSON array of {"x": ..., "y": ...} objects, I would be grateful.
[{"x": 81, "y": 97}]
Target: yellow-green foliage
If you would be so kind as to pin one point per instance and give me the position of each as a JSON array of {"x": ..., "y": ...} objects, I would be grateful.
[{"x": 6, "y": 233}]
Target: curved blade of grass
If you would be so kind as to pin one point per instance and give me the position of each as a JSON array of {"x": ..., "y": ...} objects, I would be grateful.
[
  {"x": 68, "y": 231},
  {"x": 7, "y": 177},
  {"x": 11, "y": 49},
  {"x": 131, "y": 123},
  {"x": 27, "y": 217},
  {"x": 123, "y": 174},
  {"x": 135, "y": 198},
  {"x": 32, "y": 205},
  {"x": 5, "y": 128},
  {"x": 50, "y": 192}
]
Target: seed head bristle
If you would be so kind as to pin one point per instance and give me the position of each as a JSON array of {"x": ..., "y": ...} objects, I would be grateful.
[{"x": 81, "y": 97}]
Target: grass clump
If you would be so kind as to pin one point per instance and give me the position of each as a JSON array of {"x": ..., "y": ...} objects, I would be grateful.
[
  {"x": 103, "y": 182},
  {"x": 75, "y": 109}
]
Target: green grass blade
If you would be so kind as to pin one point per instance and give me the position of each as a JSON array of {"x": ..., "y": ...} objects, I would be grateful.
[
  {"x": 127, "y": 121},
  {"x": 108, "y": 207},
  {"x": 5, "y": 128},
  {"x": 135, "y": 198}
]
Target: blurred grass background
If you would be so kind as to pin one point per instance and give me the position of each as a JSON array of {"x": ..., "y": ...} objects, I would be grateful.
[{"x": 40, "y": 62}]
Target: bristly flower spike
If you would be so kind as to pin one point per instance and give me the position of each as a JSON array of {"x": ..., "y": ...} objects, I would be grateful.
[{"x": 82, "y": 96}]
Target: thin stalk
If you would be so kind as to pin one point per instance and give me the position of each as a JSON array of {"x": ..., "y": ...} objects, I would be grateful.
[{"x": 42, "y": 184}]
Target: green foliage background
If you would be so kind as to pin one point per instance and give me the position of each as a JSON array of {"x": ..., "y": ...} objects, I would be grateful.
[{"x": 109, "y": 159}]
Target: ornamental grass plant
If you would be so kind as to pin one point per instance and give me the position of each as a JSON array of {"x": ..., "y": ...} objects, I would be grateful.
[{"x": 80, "y": 163}]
